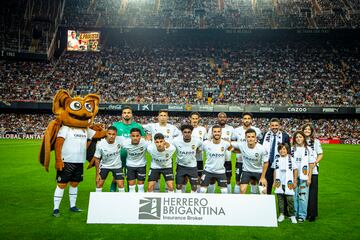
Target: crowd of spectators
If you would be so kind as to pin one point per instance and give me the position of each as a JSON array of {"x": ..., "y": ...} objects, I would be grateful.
[
  {"x": 325, "y": 128},
  {"x": 222, "y": 14},
  {"x": 149, "y": 71}
]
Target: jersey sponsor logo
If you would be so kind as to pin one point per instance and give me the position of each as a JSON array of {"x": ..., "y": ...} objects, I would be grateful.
[
  {"x": 187, "y": 152},
  {"x": 217, "y": 155},
  {"x": 150, "y": 208},
  {"x": 79, "y": 135}
]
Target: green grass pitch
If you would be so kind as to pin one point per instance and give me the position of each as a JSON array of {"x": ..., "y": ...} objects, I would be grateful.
[{"x": 26, "y": 202}]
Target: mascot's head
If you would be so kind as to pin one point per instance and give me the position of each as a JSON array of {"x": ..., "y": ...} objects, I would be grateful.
[{"x": 75, "y": 112}]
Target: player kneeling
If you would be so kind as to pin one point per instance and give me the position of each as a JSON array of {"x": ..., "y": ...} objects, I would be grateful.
[{"x": 107, "y": 159}]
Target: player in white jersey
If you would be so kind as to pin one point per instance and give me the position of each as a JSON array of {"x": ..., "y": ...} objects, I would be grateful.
[
  {"x": 315, "y": 145},
  {"x": 168, "y": 130},
  {"x": 107, "y": 159},
  {"x": 136, "y": 162},
  {"x": 161, "y": 153},
  {"x": 186, "y": 149},
  {"x": 226, "y": 134},
  {"x": 215, "y": 149},
  {"x": 73, "y": 160},
  {"x": 255, "y": 161},
  {"x": 239, "y": 136},
  {"x": 200, "y": 133}
]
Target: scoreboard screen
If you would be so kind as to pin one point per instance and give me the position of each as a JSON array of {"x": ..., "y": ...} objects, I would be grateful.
[{"x": 83, "y": 41}]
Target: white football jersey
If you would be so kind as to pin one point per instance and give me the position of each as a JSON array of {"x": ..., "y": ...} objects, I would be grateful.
[
  {"x": 316, "y": 147},
  {"x": 109, "y": 153},
  {"x": 75, "y": 144},
  {"x": 186, "y": 151},
  {"x": 239, "y": 136},
  {"x": 136, "y": 153},
  {"x": 161, "y": 159},
  {"x": 226, "y": 134},
  {"x": 169, "y": 131},
  {"x": 215, "y": 156},
  {"x": 253, "y": 158}
]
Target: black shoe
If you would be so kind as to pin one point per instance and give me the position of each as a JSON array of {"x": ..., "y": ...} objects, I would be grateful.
[
  {"x": 311, "y": 219},
  {"x": 301, "y": 220},
  {"x": 75, "y": 209},
  {"x": 56, "y": 213}
]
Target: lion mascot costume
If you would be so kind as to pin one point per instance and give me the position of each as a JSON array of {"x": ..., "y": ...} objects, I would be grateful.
[{"x": 68, "y": 135}]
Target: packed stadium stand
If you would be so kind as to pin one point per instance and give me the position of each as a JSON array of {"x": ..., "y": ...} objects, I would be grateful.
[{"x": 179, "y": 67}]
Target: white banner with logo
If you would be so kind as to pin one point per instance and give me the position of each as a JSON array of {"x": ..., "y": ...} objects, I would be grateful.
[{"x": 182, "y": 209}]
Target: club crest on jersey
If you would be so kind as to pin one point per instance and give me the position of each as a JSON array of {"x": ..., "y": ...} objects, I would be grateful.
[
  {"x": 227, "y": 132},
  {"x": 305, "y": 170},
  {"x": 168, "y": 131},
  {"x": 257, "y": 155},
  {"x": 200, "y": 132},
  {"x": 290, "y": 184},
  {"x": 277, "y": 183},
  {"x": 167, "y": 155},
  {"x": 222, "y": 149},
  {"x": 193, "y": 147}
]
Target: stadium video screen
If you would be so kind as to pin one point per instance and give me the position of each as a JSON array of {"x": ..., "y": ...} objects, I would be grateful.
[{"x": 83, "y": 41}]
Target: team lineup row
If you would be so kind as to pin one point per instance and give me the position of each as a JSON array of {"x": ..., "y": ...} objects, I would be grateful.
[{"x": 260, "y": 158}]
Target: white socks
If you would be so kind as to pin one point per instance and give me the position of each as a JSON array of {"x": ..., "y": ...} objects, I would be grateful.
[
  {"x": 211, "y": 188},
  {"x": 121, "y": 189},
  {"x": 98, "y": 189},
  {"x": 225, "y": 190},
  {"x": 203, "y": 189},
  {"x": 237, "y": 189},
  {"x": 228, "y": 188},
  {"x": 59, "y": 193},
  {"x": 73, "y": 195},
  {"x": 141, "y": 188},
  {"x": 262, "y": 190},
  {"x": 253, "y": 189},
  {"x": 183, "y": 189},
  {"x": 132, "y": 188}
]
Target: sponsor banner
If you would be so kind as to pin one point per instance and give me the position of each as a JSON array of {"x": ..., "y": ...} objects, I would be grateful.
[
  {"x": 182, "y": 209},
  {"x": 221, "y": 108},
  {"x": 21, "y": 136},
  {"x": 176, "y": 107},
  {"x": 267, "y": 109},
  {"x": 350, "y": 141},
  {"x": 329, "y": 141},
  {"x": 236, "y": 109}
]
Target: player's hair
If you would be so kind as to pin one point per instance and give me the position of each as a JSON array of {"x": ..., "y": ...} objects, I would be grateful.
[
  {"x": 112, "y": 128},
  {"x": 164, "y": 111},
  {"x": 285, "y": 145},
  {"x": 194, "y": 113},
  {"x": 250, "y": 130},
  {"x": 294, "y": 137},
  {"x": 159, "y": 136},
  {"x": 135, "y": 130},
  {"x": 215, "y": 126},
  {"x": 246, "y": 114},
  {"x": 186, "y": 126},
  {"x": 222, "y": 113},
  {"x": 275, "y": 120},
  {"x": 126, "y": 107}
]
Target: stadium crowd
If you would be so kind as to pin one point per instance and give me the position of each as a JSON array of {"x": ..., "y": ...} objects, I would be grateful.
[
  {"x": 325, "y": 128},
  {"x": 155, "y": 71}
]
